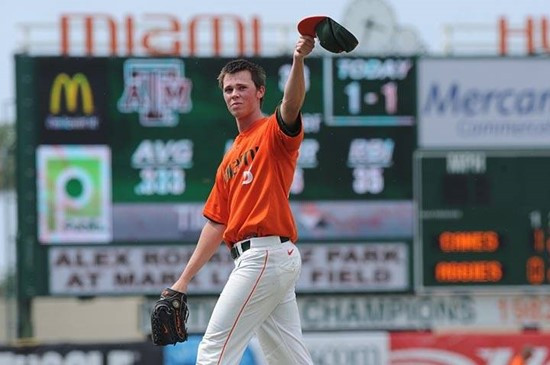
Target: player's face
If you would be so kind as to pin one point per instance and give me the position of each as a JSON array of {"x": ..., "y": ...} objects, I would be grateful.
[{"x": 241, "y": 95}]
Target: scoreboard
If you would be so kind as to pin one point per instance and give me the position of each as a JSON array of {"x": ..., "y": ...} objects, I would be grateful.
[
  {"x": 123, "y": 151},
  {"x": 483, "y": 219},
  {"x": 127, "y": 149},
  {"x": 119, "y": 154},
  {"x": 371, "y": 91}
]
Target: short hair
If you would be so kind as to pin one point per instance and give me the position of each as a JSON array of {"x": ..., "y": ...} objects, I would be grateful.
[{"x": 256, "y": 71}]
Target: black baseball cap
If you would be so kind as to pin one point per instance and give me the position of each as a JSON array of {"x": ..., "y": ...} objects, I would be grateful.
[{"x": 332, "y": 36}]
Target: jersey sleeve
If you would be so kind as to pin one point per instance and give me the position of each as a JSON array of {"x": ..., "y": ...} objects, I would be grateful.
[
  {"x": 215, "y": 208},
  {"x": 291, "y": 138}
]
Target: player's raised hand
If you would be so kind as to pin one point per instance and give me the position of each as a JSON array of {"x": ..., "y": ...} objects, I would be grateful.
[{"x": 304, "y": 46}]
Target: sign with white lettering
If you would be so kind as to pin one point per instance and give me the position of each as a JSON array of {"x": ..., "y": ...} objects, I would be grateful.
[{"x": 483, "y": 103}]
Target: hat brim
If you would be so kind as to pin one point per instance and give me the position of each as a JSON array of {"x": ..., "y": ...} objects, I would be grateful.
[{"x": 307, "y": 25}]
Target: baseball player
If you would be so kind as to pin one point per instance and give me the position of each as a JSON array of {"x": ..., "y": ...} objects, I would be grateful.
[{"x": 248, "y": 209}]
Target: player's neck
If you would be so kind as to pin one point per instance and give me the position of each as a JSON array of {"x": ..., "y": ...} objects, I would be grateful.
[{"x": 245, "y": 123}]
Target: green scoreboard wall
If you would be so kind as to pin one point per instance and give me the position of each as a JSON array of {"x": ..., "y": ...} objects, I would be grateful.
[{"x": 123, "y": 151}]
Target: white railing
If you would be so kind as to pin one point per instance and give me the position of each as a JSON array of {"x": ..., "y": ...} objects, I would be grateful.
[
  {"x": 469, "y": 38},
  {"x": 530, "y": 37}
]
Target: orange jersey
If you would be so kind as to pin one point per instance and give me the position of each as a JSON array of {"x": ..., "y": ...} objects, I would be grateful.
[
  {"x": 250, "y": 195},
  {"x": 517, "y": 360}
]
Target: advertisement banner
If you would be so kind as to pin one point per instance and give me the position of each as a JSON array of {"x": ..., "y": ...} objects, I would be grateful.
[
  {"x": 74, "y": 195},
  {"x": 468, "y": 348},
  {"x": 462, "y": 103},
  {"x": 322, "y": 312},
  {"x": 72, "y": 101},
  {"x": 424, "y": 312},
  {"x": 186, "y": 353},
  {"x": 348, "y": 348},
  {"x": 384, "y": 219},
  {"x": 139, "y": 353},
  {"x": 183, "y": 222},
  {"x": 326, "y": 267},
  {"x": 372, "y": 312}
]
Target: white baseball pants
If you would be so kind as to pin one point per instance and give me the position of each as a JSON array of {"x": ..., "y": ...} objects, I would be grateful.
[{"x": 259, "y": 297}]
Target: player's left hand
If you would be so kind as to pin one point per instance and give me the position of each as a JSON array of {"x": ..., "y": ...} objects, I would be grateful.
[
  {"x": 304, "y": 46},
  {"x": 169, "y": 318}
]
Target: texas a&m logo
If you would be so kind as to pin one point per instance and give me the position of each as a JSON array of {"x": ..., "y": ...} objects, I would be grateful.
[{"x": 156, "y": 89}]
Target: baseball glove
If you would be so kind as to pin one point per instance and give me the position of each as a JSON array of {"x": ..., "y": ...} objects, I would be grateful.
[{"x": 169, "y": 318}]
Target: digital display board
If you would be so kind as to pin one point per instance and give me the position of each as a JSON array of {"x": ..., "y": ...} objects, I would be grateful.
[
  {"x": 163, "y": 127},
  {"x": 123, "y": 151},
  {"x": 483, "y": 219},
  {"x": 371, "y": 91}
]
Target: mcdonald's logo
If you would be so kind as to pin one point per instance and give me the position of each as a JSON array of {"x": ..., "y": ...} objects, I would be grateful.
[{"x": 71, "y": 87}]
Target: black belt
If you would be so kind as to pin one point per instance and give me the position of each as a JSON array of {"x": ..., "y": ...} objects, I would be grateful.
[{"x": 245, "y": 245}]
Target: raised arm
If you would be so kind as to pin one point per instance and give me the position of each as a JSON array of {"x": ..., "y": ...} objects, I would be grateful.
[
  {"x": 295, "y": 88},
  {"x": 209, "y": 242}
]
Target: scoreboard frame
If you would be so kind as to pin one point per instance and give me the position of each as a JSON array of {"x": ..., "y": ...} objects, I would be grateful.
[
  {"x": 137, "y": 179},
  {"x": 473, "y": 242}
]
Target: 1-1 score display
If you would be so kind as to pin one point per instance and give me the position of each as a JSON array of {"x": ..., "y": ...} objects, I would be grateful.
[{"x": 370, "y": 91}]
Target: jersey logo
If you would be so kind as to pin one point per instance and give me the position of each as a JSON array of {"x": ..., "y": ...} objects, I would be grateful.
[
  {"x": 243, "y": 161},
  {"x": 247, "y": 177},
  {"x": 289, "y": 252}
]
